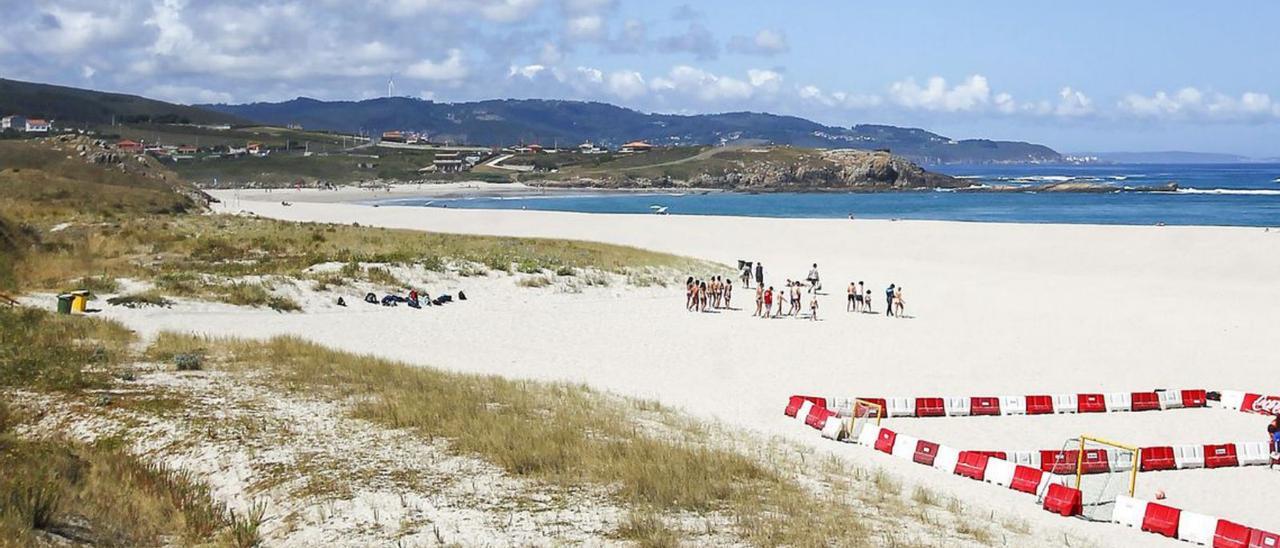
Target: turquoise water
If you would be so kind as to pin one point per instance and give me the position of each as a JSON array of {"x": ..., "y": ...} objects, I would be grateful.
[{"x": 1226, "y": 194}]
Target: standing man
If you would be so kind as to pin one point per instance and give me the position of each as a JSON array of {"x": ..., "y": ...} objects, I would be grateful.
[
  {"x": 746, "y": 274},
  {"x": 889, "y": 293},
  {"x": 814, "y": 286},
  {"x": 759, "y": 273}
]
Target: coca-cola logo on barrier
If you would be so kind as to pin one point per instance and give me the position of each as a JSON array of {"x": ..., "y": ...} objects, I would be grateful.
[{"x": 1267, "y": 405}]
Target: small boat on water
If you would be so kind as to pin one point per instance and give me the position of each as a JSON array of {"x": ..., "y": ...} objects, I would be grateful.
[{"x": 658, "y": 209}]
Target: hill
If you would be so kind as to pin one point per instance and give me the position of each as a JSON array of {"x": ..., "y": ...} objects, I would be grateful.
[
  {"x": 69, "y": 105},
  {"x": 1167, "y": 157},
  {"x": 548, "y": 122}
]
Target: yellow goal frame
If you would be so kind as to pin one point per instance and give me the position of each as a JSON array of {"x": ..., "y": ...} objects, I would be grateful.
[
  {"x": 853, "y": 411},
  {"x": 1133, "y": 471}
]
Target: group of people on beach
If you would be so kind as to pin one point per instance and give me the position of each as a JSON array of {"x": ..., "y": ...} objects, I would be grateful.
[
  {"x": 787, "y": 300},
  {"x": 859, "y": 300},
  {"x": 701, "y": 294},
  {"x": 792, "y": 293}
]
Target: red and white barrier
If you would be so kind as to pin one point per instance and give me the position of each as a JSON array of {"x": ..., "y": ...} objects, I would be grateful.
[
  {"x": 1151, "y": 459},
  {"x": 1249, "y": 402},
  {"x": 1034, "y": 404},
  {"x": 977, "y": 465},
  {"x": 1189, "y": 526}
]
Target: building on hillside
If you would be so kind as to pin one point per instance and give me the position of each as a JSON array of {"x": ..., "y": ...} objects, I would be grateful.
[
  {"x": 636, "y": 146},
  {"x": 449, "y": 162},
  {"x": 256, "y": 149},
  {"x": 590, "y": 148},
  {"x": 16, "y": 122},
  {"x": 36, "y": 125},
  {"x": 133, "y": 147},
  {"x": 393, "y": 136}
]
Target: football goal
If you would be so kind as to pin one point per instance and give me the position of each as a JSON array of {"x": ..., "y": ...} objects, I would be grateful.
[
  {"x": 862, "y": 413},
  {"x": 1104, "y": 470}
]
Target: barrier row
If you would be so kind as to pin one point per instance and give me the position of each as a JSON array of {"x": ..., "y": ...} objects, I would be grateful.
[
  {"x": 1189, "y": 526},
  {"x": 1249, "y": 402},
  {"x": 1150, "y": 459},
  {"x": 975, "y": 465},
  {"x": 1042, "y": 404}
]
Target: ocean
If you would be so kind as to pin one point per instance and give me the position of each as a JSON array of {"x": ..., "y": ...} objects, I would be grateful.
[{"x": 1208, "y": 194}]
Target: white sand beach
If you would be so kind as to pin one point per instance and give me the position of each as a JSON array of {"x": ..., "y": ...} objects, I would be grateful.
[{"x": 994, "y": 309}]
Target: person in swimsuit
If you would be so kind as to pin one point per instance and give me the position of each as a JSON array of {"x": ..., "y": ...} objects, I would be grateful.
[
  {"x": 702, "y": 292},
  {"x": 854, "y": 297},
  {"x": 759, "y": 299},
  {"x": 866, "y": 302},
  {"x": 813, "y": 308},
  {"x": 728, "y": 294},
  {"x": 688, "y": 293},
  {"x": 860, "y": 304},
  {"x": 781, "y": 299},
  {"x": 746, "y": 275},
  {"x": 768, "y": 301},
  {"x": 898, "y": 304}
]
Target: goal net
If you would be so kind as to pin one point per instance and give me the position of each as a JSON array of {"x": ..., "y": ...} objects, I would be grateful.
[
  {"x": 862, "y": 413},
  {"x": 1103, "y": 471}
]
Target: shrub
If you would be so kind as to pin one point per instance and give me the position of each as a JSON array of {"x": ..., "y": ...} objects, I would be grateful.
[
  {"x": 189, "y": 362},
  {"x": 534, "y": 281},
  {"x": 139, "y": 300}
]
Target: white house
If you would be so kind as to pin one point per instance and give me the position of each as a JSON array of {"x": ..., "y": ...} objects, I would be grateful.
[
  {"x": 36, "y": 125},
  {"x": 15, "y": 122}
]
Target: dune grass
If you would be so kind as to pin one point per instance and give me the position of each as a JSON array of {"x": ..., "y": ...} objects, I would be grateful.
[
  {"x": 63, "y": 353},
  {"x": 86, "y": 493},
  {"x": 562, "y": 435},
  {"x": 99, "y": 494}
]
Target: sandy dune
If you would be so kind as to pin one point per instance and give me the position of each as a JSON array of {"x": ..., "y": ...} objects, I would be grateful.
[{"x": 996, "y": 308}]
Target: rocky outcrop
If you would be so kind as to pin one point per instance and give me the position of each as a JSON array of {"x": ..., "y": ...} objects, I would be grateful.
[{"x": 819, "y": 170}]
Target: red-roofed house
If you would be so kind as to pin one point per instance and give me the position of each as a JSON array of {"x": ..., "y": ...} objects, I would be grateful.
[
  {"x": 36, "y": 125},
  {"x": 636, "y": 146},
  {"x": 126, "y": 145}
]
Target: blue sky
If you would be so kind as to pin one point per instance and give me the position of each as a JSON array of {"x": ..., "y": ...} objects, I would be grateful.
[{"x": 1077, "y": 76}]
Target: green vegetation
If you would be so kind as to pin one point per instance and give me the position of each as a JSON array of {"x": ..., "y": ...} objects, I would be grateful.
[
  {"x": 72, "y": 106},
  {"x": 114, "y": 224},
  {"x": 63, "y": 353}
]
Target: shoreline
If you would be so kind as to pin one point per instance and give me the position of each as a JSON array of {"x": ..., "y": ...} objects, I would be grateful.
[{"x": 395, "y": 196}]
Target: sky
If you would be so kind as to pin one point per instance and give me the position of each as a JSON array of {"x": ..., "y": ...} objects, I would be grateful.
[{"x": 1078, "y": 76}]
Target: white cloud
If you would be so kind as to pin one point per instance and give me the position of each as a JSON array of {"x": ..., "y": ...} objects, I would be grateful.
[
  {"x": 1073, "y": 103},
  {"x": 765, "y": 42},
  {"x": 451, "y": 68},
  {"x": 527, "y": 71},
  {"x": 507, "y": 11},
  {"x": 971, "y": 94},
  {"x": 702, "y": 85},
  {"x": 766, "y": 80},
  {"x": 187, "y": 94},
  {"x": 854, "y": 101},
  {"x": 585, "y": 27},
  {"x": 627, "y": 84},
  {"x": 1192, "y": 103}
]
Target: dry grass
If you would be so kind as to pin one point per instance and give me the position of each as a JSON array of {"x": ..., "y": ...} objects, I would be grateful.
[
  {"x": 557, "y": 434},
  {"x": 99, "y": 494}
]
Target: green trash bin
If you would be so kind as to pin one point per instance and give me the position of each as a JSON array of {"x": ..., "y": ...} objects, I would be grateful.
[{"x": 64, "y": 303}]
